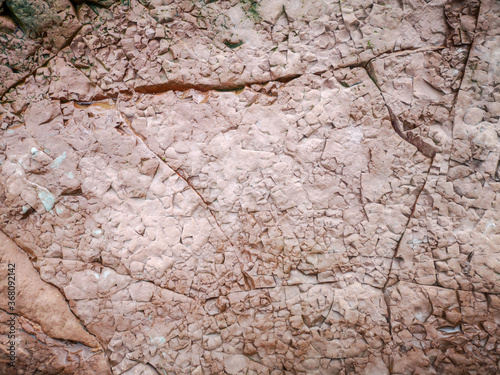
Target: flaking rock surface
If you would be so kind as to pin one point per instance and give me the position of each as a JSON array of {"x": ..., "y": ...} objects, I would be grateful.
[{"x": 251, "y": 187}]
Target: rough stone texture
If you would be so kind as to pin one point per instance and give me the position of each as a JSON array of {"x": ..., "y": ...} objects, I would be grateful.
[
  {"x": 32, "y": 32},
  {"x": 251, "y": 187}
]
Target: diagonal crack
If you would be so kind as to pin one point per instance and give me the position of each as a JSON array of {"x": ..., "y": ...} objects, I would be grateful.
[
  {"x": 35, "y": 70},
  {"x": 39, "y": 327},
  {"x": 132, "y": 132},
  {"x": 63, "y": 342},
  {"x": 415, "y": 140},
  {"x": 422, "y": 146},
  {"x": 425, "y": 149},
  {"x": 396, "y": 250},
  {"x": 387, "y": 300},
  {"x": 100, "y": 346},
  {"x": 459, "y": 90}
]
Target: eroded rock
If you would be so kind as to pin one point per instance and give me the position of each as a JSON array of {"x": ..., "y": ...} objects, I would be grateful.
[{"x": 250, "y": 187}]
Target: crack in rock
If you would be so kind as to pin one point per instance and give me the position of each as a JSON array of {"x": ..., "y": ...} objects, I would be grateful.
[{"x": 250, "y": 187}]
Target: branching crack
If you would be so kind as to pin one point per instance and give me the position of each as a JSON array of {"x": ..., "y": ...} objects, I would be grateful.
[{"x": 422, "y": 146}]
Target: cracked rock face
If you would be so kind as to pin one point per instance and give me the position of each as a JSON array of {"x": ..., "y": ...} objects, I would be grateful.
[{"x": 250, "y": 187}]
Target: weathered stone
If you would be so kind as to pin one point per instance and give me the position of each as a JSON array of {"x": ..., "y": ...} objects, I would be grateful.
[{"x": 250, "y": 187}]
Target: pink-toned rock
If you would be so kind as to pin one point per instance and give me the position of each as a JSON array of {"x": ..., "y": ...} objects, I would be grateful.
[{"x": 250, "y": 187}]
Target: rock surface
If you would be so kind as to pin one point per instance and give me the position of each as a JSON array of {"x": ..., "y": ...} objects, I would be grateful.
[{"x": 251, "y": 187}]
